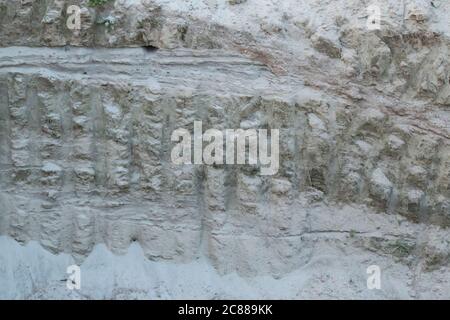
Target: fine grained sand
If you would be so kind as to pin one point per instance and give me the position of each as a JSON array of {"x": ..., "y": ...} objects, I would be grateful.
[{"x": 85, "y": 170}]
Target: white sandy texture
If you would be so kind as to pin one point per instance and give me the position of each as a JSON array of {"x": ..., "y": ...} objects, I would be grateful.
[
  {"x": 31, "y": 272},
  {"x": 85, "y": 173}
]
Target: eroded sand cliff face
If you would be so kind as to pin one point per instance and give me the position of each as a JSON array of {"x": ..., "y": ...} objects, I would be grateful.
[{"x": 364, "y": 116}]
